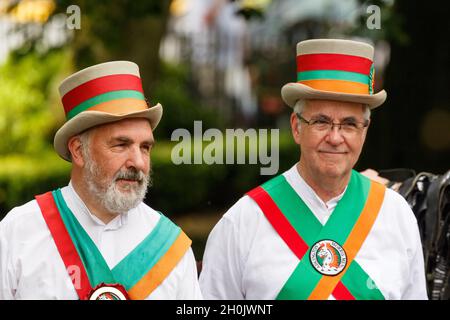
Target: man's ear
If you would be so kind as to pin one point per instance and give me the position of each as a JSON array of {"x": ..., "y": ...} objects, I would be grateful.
[
  {"x": 295, "y": 128},
  {"x": 75, "y": 149}
]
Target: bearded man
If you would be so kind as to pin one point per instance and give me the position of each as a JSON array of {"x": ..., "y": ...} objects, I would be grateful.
[{"x": 96, "y": 238}]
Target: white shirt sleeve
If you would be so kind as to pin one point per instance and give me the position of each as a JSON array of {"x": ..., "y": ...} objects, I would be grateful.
[
  {"x": 189, "y": 287},
  {"x": 403, "y": 222},
  {"x": 416, "y": 288},
  {"x": 7, "y": 281},
  {"x": 221, "y": 276}
]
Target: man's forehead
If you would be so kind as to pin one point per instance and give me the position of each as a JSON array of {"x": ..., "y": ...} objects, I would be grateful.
[
  {"x": 127, "y": 128},
  {"x": 334, "y": 108}
]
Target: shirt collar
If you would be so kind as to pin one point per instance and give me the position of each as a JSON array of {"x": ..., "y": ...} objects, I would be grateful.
[
  {"x": 79, "y": 209},
  {"x": 320, "y": 208}
]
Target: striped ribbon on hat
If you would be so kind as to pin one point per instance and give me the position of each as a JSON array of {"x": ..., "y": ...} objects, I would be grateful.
[
  {"x": 115, "y": 90},
  {"x": 336, "y": 72}
]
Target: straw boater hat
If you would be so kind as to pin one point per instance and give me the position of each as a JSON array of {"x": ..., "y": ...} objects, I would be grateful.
[
  {"x": 331, "y": 69},
  {"x": 101, "y": 94}
]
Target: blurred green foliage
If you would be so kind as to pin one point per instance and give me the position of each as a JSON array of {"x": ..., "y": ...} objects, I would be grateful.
[
  {"x": 183, "y": 188},
  {"x": 28, "y": 94},
  {"x": 29, "y": 117},
  {"x": 24, "y": 176},
  {"x": 180, "y": 107}
]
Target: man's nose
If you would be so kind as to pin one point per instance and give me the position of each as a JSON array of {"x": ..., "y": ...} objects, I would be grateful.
[
  {"x": 137, "y": 159},
  {"x": 334, "y": 136}
]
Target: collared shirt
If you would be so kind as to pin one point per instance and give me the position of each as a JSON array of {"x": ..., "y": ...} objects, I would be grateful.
[
  {"x": 245, "y": 258},
  {"x": 31, "y": 267}
]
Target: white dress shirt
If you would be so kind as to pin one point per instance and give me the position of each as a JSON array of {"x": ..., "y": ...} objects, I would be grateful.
[
  {"x": 245, "y": 258},
  {"x": 31, "y": 267}
]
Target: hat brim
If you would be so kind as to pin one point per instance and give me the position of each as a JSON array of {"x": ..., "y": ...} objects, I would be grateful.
[
  {"x": 89, "y": 119},
  {"x": 292, "y": 92}
]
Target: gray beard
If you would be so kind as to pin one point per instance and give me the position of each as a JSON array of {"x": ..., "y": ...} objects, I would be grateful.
[{"x": 107, "y": 192}]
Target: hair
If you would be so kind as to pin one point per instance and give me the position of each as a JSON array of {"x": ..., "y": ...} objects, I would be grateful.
[
  {"x": 85, "y": 140},
  {"x": 301, "y": 104}
]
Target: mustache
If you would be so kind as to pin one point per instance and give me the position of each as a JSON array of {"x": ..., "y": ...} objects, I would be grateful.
[{"x": 130, "y": 174}]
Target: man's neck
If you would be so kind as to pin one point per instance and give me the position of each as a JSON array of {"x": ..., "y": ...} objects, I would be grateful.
[
  {"x": 92, "y": 204},
  {"x": 326, "y": 188}
]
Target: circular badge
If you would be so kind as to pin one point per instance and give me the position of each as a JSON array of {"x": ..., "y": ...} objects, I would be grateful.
[
  {"x": 109, "y": 292},
  {"x": 328, "y": 257}
]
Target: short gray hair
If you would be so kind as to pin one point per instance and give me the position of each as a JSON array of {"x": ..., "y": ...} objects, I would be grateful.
[{"x": 299, "y": 106}]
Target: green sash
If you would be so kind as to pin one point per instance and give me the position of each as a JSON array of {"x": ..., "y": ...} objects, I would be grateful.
[
  {"x": 277, "y": 195},
  {"x": 139, "y": 272}
]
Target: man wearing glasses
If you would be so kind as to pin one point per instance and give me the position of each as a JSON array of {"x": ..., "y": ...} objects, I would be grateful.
[{"x": 320, "y": 230}]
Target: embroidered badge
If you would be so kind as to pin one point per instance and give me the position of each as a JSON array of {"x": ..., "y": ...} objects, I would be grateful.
[
  {"x": 328, "y": 257},
  {"x": 109, "y": 292}
]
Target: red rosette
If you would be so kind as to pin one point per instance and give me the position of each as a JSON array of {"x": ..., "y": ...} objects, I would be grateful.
[{"x": 108, "y": 291}]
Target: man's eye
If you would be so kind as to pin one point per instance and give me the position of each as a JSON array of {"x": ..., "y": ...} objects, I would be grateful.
[
  {"x": 350, "y": 124},
  {"x": 320, "y": 121}
]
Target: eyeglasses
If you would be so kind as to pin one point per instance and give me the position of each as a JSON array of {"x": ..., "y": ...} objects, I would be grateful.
[{"x": 322, "y": 124}]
